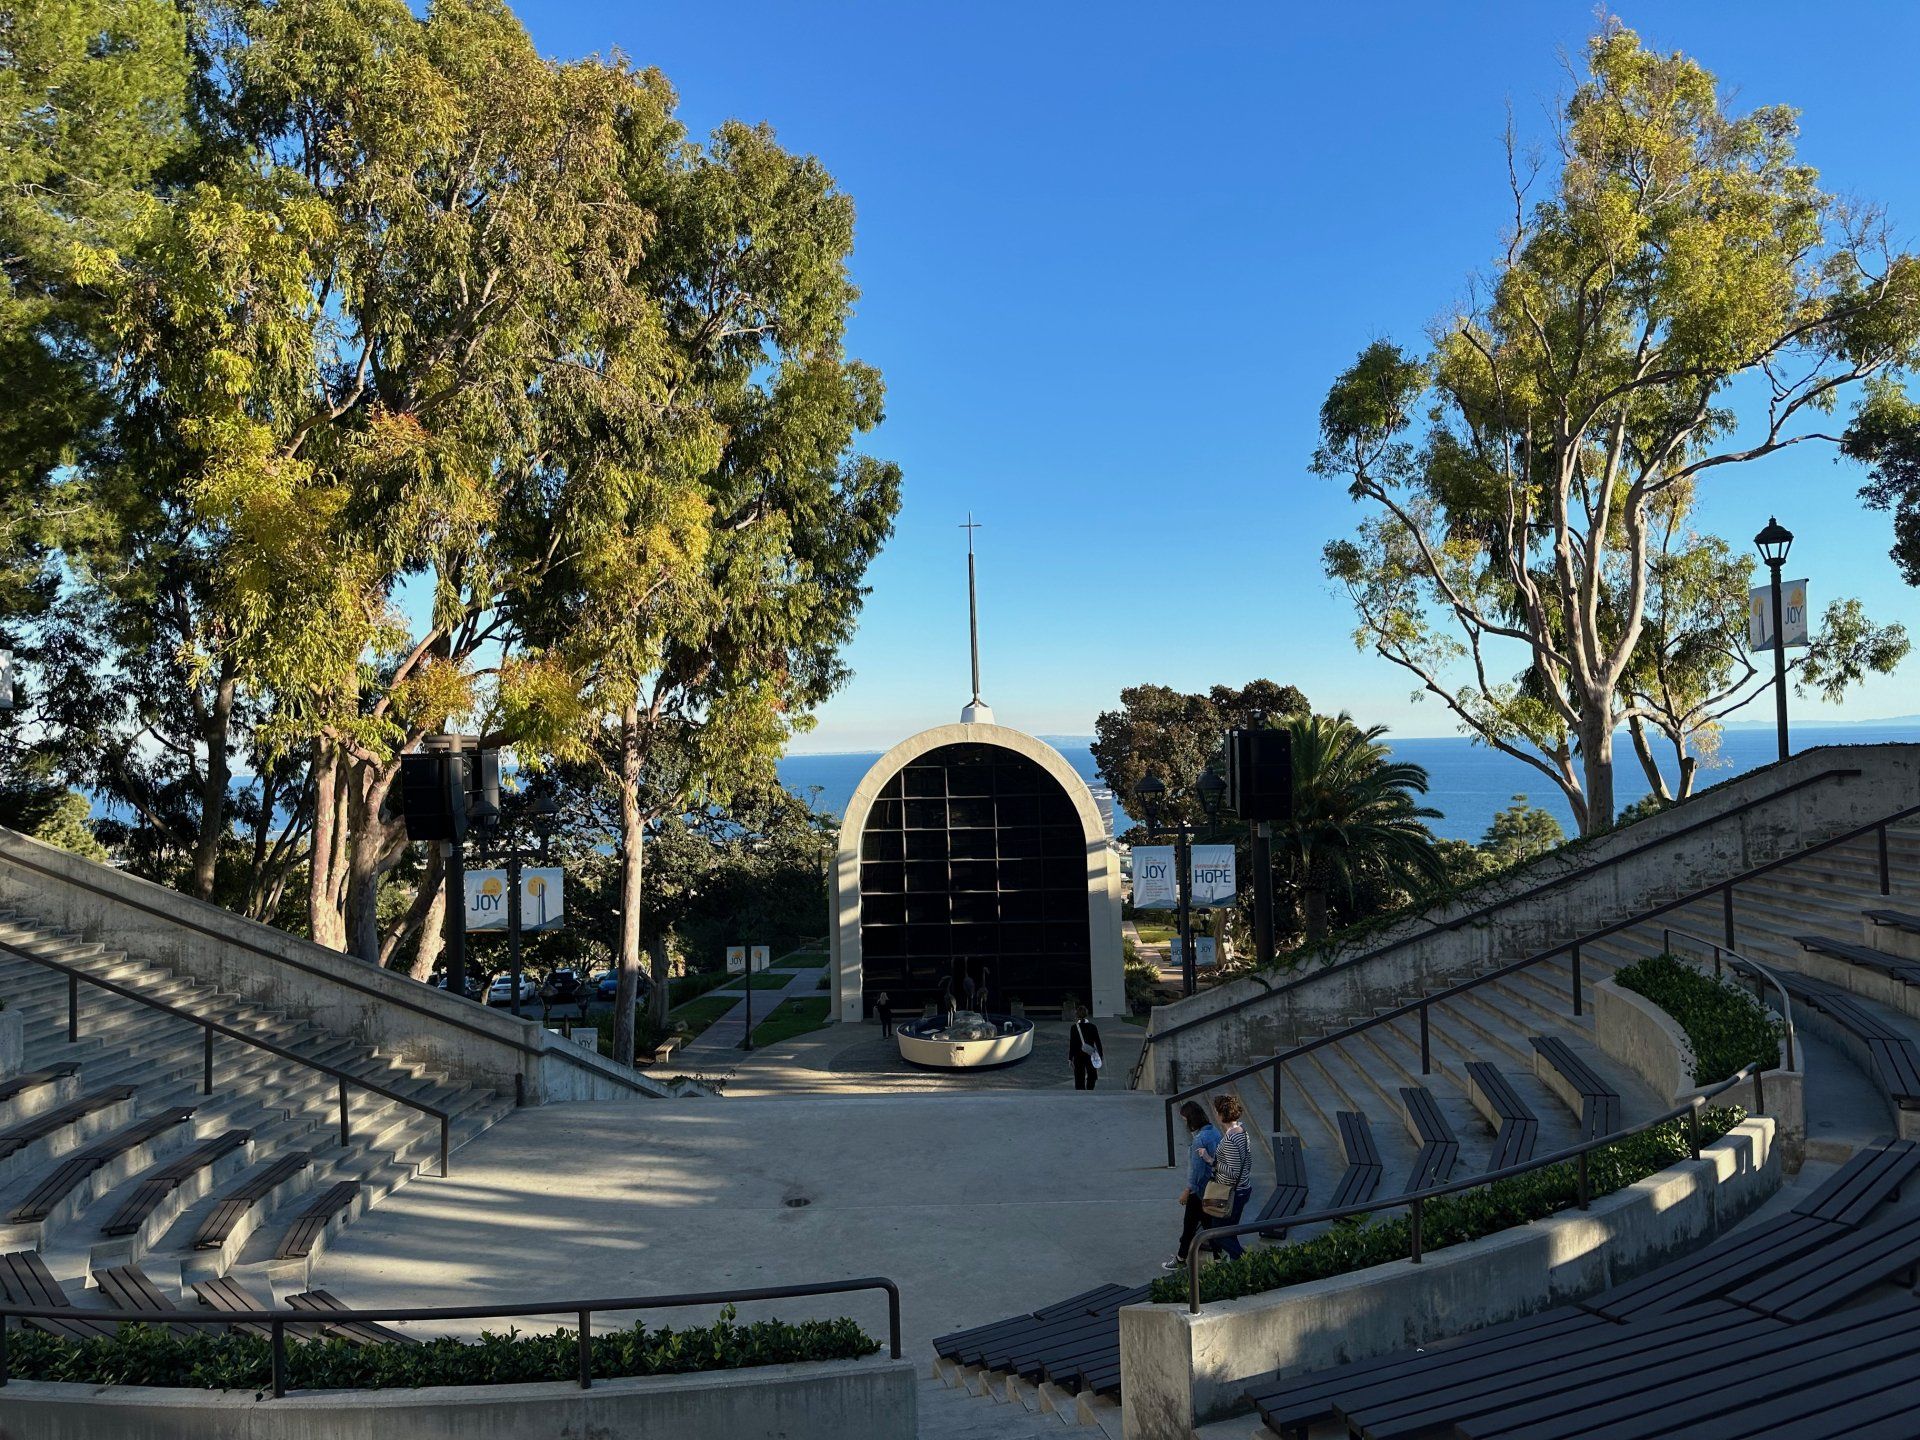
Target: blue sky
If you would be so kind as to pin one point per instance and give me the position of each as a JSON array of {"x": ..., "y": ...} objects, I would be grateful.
[{"x": 1111, "y": 257}]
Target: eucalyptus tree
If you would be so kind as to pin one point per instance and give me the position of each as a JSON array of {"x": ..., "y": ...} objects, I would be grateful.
[
  {"x": 1677, "y": 295},
  {"x": 712, "y": 526}
]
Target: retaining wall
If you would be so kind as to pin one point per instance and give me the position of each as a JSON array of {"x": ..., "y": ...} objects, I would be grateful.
[
  {"x": 844, "y": 1400},
  {"x": 1340, "y": 991},
  {"x": 468, "y": 1042},
  {"x": 1640, "y": 1035},
  {"x": 1179, "y": 1370}
]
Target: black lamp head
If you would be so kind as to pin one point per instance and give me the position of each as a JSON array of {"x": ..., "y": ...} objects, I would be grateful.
[{"x": 1774, "y": 542}]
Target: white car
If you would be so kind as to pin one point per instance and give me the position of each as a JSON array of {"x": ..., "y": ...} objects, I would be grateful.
[{"x": 501, "y": 991}]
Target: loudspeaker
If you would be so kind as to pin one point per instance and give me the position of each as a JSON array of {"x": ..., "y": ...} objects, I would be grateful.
[
  {"x": 433, "y": 795},
  {"x": 1260, "y": 774}
]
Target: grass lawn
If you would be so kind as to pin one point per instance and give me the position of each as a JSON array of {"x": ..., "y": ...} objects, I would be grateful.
[
  {"x": 791, "y": 1018},
  {"x": 701, "y": 1013},
  {"x": 806, "y": 960},
  {"x": 1155, "y": 934},
  {"x": 763, "y": 980}
]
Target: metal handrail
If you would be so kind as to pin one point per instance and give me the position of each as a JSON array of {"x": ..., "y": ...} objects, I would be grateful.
[
  {"x": 1440, "y": 927},
  {"x": 1416, "y": 1200},
  {"x": 1571, "y": 948},
  {"x": 348, "y": 980},
  {"x": 1667, "y": 932},
  {"x": 211, "y": 1027},
  {"x": 585, "y": 1310}
]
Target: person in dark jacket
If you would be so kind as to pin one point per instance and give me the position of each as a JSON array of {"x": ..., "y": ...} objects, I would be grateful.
[
  {"x": 883, "y": 1007},
  {"x": 1084, "y": 1052}
]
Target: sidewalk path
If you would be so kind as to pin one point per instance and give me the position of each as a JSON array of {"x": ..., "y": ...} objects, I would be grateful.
[{"x": 718, "y": 1046}]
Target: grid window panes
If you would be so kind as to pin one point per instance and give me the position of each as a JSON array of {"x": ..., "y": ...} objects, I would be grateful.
[{"x": 973, "y": 862}]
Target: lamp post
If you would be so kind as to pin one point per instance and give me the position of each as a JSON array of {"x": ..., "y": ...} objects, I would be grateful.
[
  {"x": 1152, "y": 791},
  {"x": 503, "y": 827},
  {"x": 1773, "y": 543}
]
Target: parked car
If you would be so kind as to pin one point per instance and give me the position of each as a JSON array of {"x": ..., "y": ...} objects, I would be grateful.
[
  {"x": 607, "y": 983},
  {"x": 501, "y": 991},
  {"x": 475, "y": 983},
  {"x": 563, "y": 987}
]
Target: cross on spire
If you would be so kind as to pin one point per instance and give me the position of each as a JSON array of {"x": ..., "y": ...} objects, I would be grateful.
[{"x": 976, "y": 709}]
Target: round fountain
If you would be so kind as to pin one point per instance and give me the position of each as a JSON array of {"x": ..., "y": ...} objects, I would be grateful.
[{"x": 966, "y": 1041}]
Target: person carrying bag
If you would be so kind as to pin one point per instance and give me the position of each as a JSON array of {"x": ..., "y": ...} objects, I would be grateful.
[
  {"x": 1084, "y": 1052},
  {"x": 1232, "y": 1185}
]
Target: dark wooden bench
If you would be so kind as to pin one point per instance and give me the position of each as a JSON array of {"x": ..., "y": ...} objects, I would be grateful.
[
  {"x": 15, "y": 1086},
  {"x": 1711, "y": 1271},
  {"x": 162, "y": 1182},
  {"x": 1362, "y": 1176},
  {"x": 79, "y": 1166},
  {"x": 1439, "y": 1146},
  {"x": 1895, "y": 1062},
  {"x": 1865, "y": 956},
  {"x": 1659, "y": 1391},
  {"x": 227, "y": 1294},
  {"x": 25, "y": 1279},
  {"x": 18, "y": 1137},
  {"x": 1289, "y": 1194},
  {"x": 360, "y": 1332},
  {"x": 1870, "y": 1177},
  {"x": 1894, "y": 920},
  {"x": 254, "y": 1188},
  {"x": 1519, "y": 1129},
  {"x": 311, "y": 1222},
  {"x": 1599, "y": 1101},
  {"x": 128, "y": 1287},
  {"x": 1855, "y": 1259}
]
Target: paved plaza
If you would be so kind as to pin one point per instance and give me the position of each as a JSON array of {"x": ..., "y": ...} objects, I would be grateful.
[{"x": 978, "y": 1204}]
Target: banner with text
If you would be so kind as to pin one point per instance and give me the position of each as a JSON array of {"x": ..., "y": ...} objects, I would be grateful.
[
  {"x": 1793, "y": 615},
  {"x": 1154, "y": 885},
  {"x": 1213, "y": 880},
  {"x": 542, "y": 902},
  {"x": 1206, "y": 951}
]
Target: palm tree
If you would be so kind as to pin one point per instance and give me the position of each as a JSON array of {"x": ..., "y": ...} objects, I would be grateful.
[{"x": 1354, "y": 815}]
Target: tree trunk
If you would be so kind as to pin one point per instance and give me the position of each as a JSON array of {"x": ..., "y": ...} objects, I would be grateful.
[
  {"x": 432, "y": 882},
  {"x": 1596, "y": 757},
  {"x": 1317, "y": 884},
  {"x": 325, "y": 922},
  {"x": 1637, "y": 729},
  {"x": 213, "y": 790},
  {"x": 433, "y": 924},
  {"x": 632, "y": 861},
  {"x": 662, "y": 984}
]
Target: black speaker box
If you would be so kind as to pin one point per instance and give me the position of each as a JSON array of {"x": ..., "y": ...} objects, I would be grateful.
[{"x": 1260, "y": 774}]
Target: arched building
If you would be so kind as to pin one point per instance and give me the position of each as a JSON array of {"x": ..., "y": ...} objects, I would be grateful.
[{"x": 975, "y": 849}]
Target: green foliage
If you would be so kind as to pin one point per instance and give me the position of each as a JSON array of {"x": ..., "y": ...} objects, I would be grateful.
[
  {"x": 1142, "y": 979},
  {"x": 697, "y": 1015},
  {"x": 1365, "y": 1241},
  {"x": 148, "y": 1355},
  {"x": 1726, "y": 1026},
  {"x": 694, "y": 984},
  {"x": 1520, "y": 833},
  {"x": 1159, "y": 731},
  {"x": 1355, "y": 818},
  {"x": 1524, "y": 551}
]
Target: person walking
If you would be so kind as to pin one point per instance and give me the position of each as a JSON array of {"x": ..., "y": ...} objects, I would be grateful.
[
  {"x": 1203, "y": 1138},
  {"x": 1232, "y": 1165},
  {"x": 1084, "y": 1052},
  {"x": 883, "y": 1007}
]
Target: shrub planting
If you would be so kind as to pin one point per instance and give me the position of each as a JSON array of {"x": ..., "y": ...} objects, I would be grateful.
[{"x": 1724, "y": 1024}]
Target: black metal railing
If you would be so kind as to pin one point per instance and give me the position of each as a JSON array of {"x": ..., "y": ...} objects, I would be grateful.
[
  {"x": 1416, "y": 1200},
  {"x": 583, "y": 1312},
  {"x": 210, "y": 1028},
  {"x": 1471, "y": 917},
  {"x": 1422, "y": 1006}
]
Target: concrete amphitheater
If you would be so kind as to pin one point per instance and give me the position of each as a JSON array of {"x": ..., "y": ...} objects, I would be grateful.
[{"x": 181, "y": 1128}]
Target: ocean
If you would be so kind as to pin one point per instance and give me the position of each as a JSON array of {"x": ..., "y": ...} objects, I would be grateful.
[{"x": 1467, "y": 783}]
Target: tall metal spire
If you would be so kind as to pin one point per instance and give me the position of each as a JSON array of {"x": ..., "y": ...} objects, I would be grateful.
[{"x": 976, "y": 710}]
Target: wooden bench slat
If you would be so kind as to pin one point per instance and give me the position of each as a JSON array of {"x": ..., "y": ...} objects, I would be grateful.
[
  {"x": 1858, "y": 1187},
  {"x": 26, "y": 1281},
  {"x": 47, "y": 1121},
  {"x": 312, "y": 1221},
  {"x": 1599, "y": 1102},
  {"x": 249, "y": 1192},
  {"x": 1855, "y": 1260},
  {"x": 360, "y": 1332},
  {"x": 1892, "y": 966},
  {"x": 16, "y": 1085},
  {"x": 77, "y": 1167},
  {"x": 154, "y": 1188}
]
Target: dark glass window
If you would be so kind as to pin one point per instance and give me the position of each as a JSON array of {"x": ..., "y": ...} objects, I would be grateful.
[{"x": 973, "y": 862}]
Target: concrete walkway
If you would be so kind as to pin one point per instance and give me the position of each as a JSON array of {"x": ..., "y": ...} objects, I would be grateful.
[
  {"x": 716, "y": 1047},
  {"x": 979, "y": 1206}
]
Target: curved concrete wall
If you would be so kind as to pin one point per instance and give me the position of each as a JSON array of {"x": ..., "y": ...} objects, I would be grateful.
[
  {"x": 1889, "y": 780},
  {"x": 467, "y": 1042},
  {"x": 844, "y": 1400},
  {"x": 1179, "y": 1370},
  {"x": 1103, "y": 866}
]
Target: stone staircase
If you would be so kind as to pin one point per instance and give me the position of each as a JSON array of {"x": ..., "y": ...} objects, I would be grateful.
[{"x": 286, "y": 1109}]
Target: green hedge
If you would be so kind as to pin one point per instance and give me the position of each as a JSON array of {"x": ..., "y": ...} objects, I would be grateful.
[
  {"x": 1726, "y": 1026},
  {"x": 682, "y": 988},
  {"x": 1369, "y": 1240},
  {"x": 146, "y": 1355}
]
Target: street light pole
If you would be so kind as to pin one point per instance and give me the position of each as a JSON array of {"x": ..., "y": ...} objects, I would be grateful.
[
  {"x": 1773, "y": 543},
  {"x": 1152, "y": 789}
]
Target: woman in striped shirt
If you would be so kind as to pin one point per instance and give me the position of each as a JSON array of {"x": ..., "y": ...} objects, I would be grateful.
[{"x": 1232, "y": 1164}]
